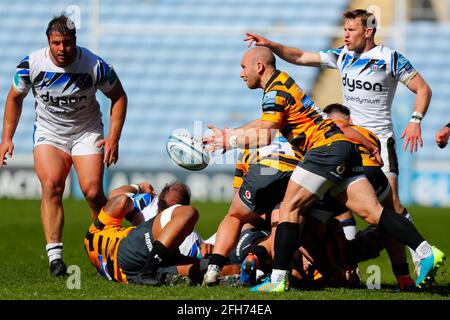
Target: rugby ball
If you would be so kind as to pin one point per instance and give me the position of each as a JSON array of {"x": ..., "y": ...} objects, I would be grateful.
[{"x": 187, "y": 151}]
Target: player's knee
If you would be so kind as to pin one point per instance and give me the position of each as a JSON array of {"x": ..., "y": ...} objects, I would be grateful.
[
  {"x": 290, "y": 206},
  {"x": 372, "y": 217},
  {"x": 93, "y": 192},
  {"x": 52, "y": 188}
]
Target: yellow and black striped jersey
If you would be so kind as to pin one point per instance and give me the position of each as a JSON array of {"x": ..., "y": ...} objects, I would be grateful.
[
  {"x": 279, "y": 155},
  {"x": 367, "y": 159},
  {"x": 102, "y": 243},
  {"x": 302, "y": 123}
]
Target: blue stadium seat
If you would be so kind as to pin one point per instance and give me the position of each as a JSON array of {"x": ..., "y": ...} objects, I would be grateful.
[{"x": 171, "y": 80}]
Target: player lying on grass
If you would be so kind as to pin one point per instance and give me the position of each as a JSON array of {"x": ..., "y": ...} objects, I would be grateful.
[{"x": 145, "y": 254}]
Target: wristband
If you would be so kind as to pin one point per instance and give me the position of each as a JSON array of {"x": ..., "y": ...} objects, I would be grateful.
[
  {"x": 137, "y": 187},
  {"x": 233, "y": 141},
  {"x": 416, "y": 117}
]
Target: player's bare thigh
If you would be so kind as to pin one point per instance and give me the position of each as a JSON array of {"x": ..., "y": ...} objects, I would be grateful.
[{"x": 52, "y": 165}]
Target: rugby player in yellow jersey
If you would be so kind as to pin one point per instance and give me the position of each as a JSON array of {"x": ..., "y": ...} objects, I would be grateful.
[
  {"x": 373, "y": 171},
  {"x": 144, "y": 254},
  {"x": 331, "y": 163},
  {"x": 261, "y": 190}
]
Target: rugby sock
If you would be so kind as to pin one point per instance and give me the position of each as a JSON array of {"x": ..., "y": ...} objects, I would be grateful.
[
  {"x": 54, "y": 251},
  {"x": 286, "y": 242},
  {"x": 415, "y": 258},
  {"x": 400, "y": 229},
  {"x": 218, "y": 260},
  {"x": 400, "y": 269},
  {"x": 260, "y": 252},
  {"x": 278, "y": 275},
  {"x": 349, "y": 227},
  {"x": 158, "y": 255}
]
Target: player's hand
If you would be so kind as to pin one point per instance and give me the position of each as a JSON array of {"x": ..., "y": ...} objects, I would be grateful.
[
  {"x": 413, "y": 137},
  {"x": 147, "y": 188},
  {"x": 377, "y": 155},
  {"x": 206, "y": 249},
  {"x": 442, "y": 137},
  {"x": 6, "y": 151},
  {"x": 257, "y": 39},
  {"x": 111, "y": 149},
  {"x": 216, "y": 140}
]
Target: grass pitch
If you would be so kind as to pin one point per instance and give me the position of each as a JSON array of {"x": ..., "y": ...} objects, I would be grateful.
[{"x": 25, "y": 275}]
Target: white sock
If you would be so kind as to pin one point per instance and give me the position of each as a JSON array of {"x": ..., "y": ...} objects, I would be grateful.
[
  {"x": 278, "y": 275},
  {"x": 424, "y": 250},
  {"x": 349, "y": 227},
  {"x": 54, "y": 251}
]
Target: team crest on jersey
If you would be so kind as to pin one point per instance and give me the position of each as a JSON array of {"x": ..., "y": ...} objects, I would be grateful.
[
  {"x": 378, "y": 67},
  {"x": 248, "y": 194}
]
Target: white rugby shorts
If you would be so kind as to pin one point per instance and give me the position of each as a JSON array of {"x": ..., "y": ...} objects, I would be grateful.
[{"x": 81, "y": 144}]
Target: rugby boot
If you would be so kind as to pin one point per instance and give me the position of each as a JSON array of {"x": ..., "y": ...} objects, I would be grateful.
[
  {"x": 428, "y": 267},
  {"x": 248, "y": 270},
  {"x": 269, "y": 286},
  {"x": 405, "y": 284},
  {"x": 147, "y": 279},
  {"x": 211, "y": 276},
  {"x": 58, "y": 268}
]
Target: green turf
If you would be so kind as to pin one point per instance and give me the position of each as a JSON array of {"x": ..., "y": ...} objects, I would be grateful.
[{"x": 24, "y": 267}]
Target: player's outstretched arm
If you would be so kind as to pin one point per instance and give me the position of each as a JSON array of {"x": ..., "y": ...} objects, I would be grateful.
[
  {"x": 289, "y": 54},
  {"x": 255, "y": 134},
  {"x": 13, "y": 110},
  {"x": 442, "y": 136},
  {"x": 412, "y": 131},
  {"x": 119, "y": 101},
  {"x": 141, "y": 187}
]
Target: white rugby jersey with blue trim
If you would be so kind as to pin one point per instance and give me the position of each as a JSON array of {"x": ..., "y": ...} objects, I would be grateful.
[
  {"x": 65, "y": 97},
  {"x": 369, "y": 82}
]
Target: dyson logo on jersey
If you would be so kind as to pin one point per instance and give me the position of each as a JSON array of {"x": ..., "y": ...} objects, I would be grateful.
[
  {"x": 61, "y": 101},
  {"x": 359, "y": 84}
]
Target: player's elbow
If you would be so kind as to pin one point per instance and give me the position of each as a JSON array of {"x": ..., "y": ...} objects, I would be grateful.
[
  {"x": 428, "y": 91},
  {"x": 425, "y": 91}
]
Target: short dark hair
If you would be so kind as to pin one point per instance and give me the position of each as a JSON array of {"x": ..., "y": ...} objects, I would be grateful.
[
  {"x": 63, "y": 25},
  {"x": 182, "y": 195},
  {"x": 368, "y": 19},
  {"x": 337, "y": 107}
]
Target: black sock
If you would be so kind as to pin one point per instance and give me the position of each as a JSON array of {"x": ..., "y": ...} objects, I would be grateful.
[
  {"x": 158, "y": 255},
  {"x": 260, "y": 252},
  {"x": 399, "y": 228},
  {"x": 286, "y": 242},
  {"x": 400, "y": 269},
  {"x": 218, "y": 260}
]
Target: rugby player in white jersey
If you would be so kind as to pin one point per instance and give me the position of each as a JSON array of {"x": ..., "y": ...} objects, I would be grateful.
[
  {"x": 370, "y": 74},
  {"x": 68, "y": 128}
]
